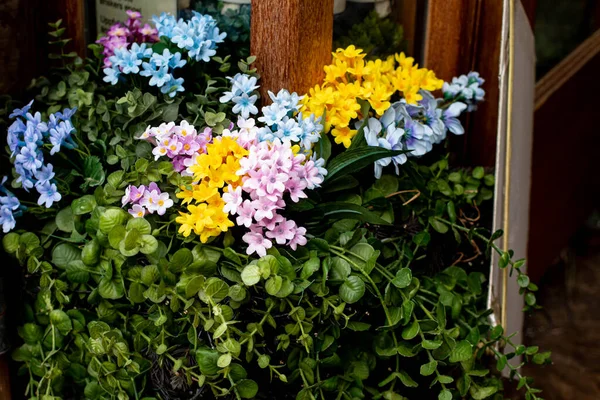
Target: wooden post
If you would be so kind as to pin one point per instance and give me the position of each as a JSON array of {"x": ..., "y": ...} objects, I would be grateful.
[
  {"x": 463, "y": 36},
  {"x": 292, "y": 41}
]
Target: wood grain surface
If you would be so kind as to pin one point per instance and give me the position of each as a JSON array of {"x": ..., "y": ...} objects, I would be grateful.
[
  {"x": 292, "y": 40},
  {"x": 463, "y": 36}
]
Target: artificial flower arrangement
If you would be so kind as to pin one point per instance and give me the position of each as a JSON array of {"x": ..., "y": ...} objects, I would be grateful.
[{"x": 186, "y": 243}]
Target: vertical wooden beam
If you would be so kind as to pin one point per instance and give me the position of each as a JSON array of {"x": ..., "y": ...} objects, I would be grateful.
[
  {"x": 72, "y": 12},
  {"x": 406, "y": 15},
  {"x": 463, "y": 36},
  {"x": 292, "y": 41}
]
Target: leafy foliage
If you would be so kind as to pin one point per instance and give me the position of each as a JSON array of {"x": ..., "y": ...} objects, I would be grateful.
[{"x": 379, "y": 304}]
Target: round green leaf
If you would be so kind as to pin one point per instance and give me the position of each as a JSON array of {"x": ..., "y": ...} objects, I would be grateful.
[
  {"x": 111, "y": 218},
  {"x": 237, "y": 293},
  {"x": 64, "y": 220},
  {"x": 91, "y": 252},
  {"x": 148, "y": 244},
  {"x": 31, "y": 333},
  {"x": 77, "y": 272},
  {"x": 247, "y": 388},
  {"x": 462, "y": 352},
  {"x": 352, "y": 289},
  {"x": 251, "y": 275},
  {"x": 445, "y": 395},
  {"x": 111, "y": 288},
  {"x": 181, "y": 259},
  {"x": 411, "y": 331},
  {"x": 64, "y": 253},
  {"x": 139, "y": 224},
  {"x": 214, "y": 289},
  {"x": 83, "y": 205},
  {"x": 61, "y": 321},
  {"x": 403, "y": 278},
  {"x": 273, "y": 285},
  {"x": 340, "y": 269},
  {"x": 10, "y": 241},
  {"x": 224, "y": 360}
]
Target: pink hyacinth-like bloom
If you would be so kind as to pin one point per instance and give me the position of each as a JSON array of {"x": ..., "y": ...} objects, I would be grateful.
[
  {"x": 283, "y": 232},
  {"x": 133, "y": 194},
  {"x": 257, "y": 243}
]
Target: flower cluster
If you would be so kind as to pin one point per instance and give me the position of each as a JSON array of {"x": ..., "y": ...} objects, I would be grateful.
[
  {"x": 199, "y": 36},
  {"x": 10, "y": 207},
  {"x": 465, "y": 88},
  {"x": 414, "y": 128},
  {"x": 26, "y": 138},
  {"x": 158, "y": 67},
  {"x": 242, "y": 95},
  {"x": 181, "y": 143},
  {"x": 213, "y": 170},
  {"x": 271, "y": 171},
  {"x": 146, "y": 200},
  {"x": 281, "y": 119},
  {"x": 121, "y": 36},
  {"x": 349, "y": 79}
]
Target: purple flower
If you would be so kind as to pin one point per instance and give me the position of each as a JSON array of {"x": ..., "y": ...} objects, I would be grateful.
[
  {"x": 45, "y": 174},
  {"x": 48, "y": 194},
  {"x": 10, "y": 201},
  {"x": 21, "y": 112},
  {"x": 450, "y": 118},
  {"x": 29, "y": 157},
  {"x": 7, "y": 219}
]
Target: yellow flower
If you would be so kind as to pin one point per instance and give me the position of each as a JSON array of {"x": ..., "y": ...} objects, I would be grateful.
[{"x": 343, "y": 136}]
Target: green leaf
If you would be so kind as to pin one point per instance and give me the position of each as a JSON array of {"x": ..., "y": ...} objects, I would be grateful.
[
  {"x": 523, "y": 280},
  {"x": 139, "y": 224},
  {"x": 194, "y": 285},
  {"x": 478, "y": 173},
  {"x": 111, "y": 218},
  {"x": 462, "y": 352},
  {"x": 61, "y": 321},
  {"x": 403, "y": 278},
  {"x": 530, "y": 299},
  {"x": 64, "y": 220},
  {"x": 148, "y": 244},
  {"x": 323, "y": 147},
  {"x": 93, "y": 172},
  {"x": 310, "y": 267},
  {"x": 224, "y": 360},
  {"x": 251, "y": 275},
  {"x": 411, "y": 331},
  {"x": 431, "y": 344},
  {"x": 429, "y": 368},
  {"x": 111, "y": 288},
  {"x": 11, "y": 243},
  {"x": 273, "y": 285},
  {"x": 354, "y": 160},
  {"x": 214, "y": 289},
  {"x": 247, "y": 388},
  {"x": 422, "y": 239},
  {"x": 352, "y": 289},
  {"x": 31, "y": 333},
  {"x": 340, "y": 269},
  {"x": 438, "y": 225},
  {"x": 83, "y": 205},
  {"x": 481, "y": 392},
  {"x": 344, "y": 210},
  {"x": 64, "y": 253},
  {"x": 181, "y": 259},
  {"x": 77, "y": 272},
  {"x": 445, "y": 395},
  {"x": 207, "y": 361}
]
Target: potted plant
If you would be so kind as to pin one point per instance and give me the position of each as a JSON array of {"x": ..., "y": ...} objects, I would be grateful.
[{"x": 177, "y": 240}]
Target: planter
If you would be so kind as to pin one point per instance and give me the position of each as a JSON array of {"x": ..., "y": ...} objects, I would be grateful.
[
  {"x": 383, "y": 7},
  {"x": 339, "y": 6}
]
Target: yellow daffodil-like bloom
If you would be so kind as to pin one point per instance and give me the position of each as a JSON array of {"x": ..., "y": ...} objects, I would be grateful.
[
  {"x": 350, "y": 78},
  {"x": 213, "y": 171}
]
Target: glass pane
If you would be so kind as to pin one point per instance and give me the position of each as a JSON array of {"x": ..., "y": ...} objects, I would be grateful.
[{"x": 560, "y": 26}]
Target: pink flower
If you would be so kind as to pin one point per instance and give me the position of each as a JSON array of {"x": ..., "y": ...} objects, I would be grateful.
[
  {"x": 257, "y": 244},
  {"x": 296, "y": 187},
  {"x": 154, "y": 186},
  {"x": 270, "y": 223},
  {"x": 190, "y": 145},
  {"x": 150, "y": 200},
  {"x": 233, "y": 199},
  {"x": 162, "y": 203},
  {"x": 178, "y": 163},
  {"x": 133, "y": 194},
  {"x": 264, "y": 208},
  {"x": 312, "y": 175},
  {"x": 299, "y": 239},
  {"x": 137, "y": 211},
  {"x": 284, "y": 231},
  {"x": 118, "y": 30},
  {"x": 245, "y": 213},
  {"x": 273, "y": 181}
]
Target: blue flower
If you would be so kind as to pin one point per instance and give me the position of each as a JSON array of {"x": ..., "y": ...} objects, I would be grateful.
[
  {"x": 67, "y": 113},
  {"x": 163, "y": 59},
  {"x": 140, "y": 50},
  {"x": 176, "y": 61},
  {"x": 21, "y": 112},
  {"x": 450, "y": 118},
  {"x": 244, "y": 105},
  {"x": 111, "y": 75},
  {"x": 60, "y": 135},
  {"x": 44, "y": 174},
  {"x": 172, "y": 86},
  {"x": 10, "y": 201},
  {"x": 265, "y": 134},
  {"x": 14, "y": 137},
  {"x": 311, "y": 129},
  {"x": 183, "y": 35},
  {"x": 372, "y": 132},
  {"x": 36, "y": 120},
  {"x": 414, "y": 137},
  {"x": 7, "y": 219},
  {"x": 165, "y": 23},
  {"x": 287, "y": 100},
  {"x": 289, "y": 130},
  {"x": 272, "y": 114},
  {"x": 29, "y": 158},
  {"x": 160, "y": 76},
  {"x": 32, "y": 134},
  {"x": 465, "y": 88},
  {"x": 48, "y": 194}
]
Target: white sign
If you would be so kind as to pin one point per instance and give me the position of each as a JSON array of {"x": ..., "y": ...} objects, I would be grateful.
[{"x": 108, "y": 12}]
